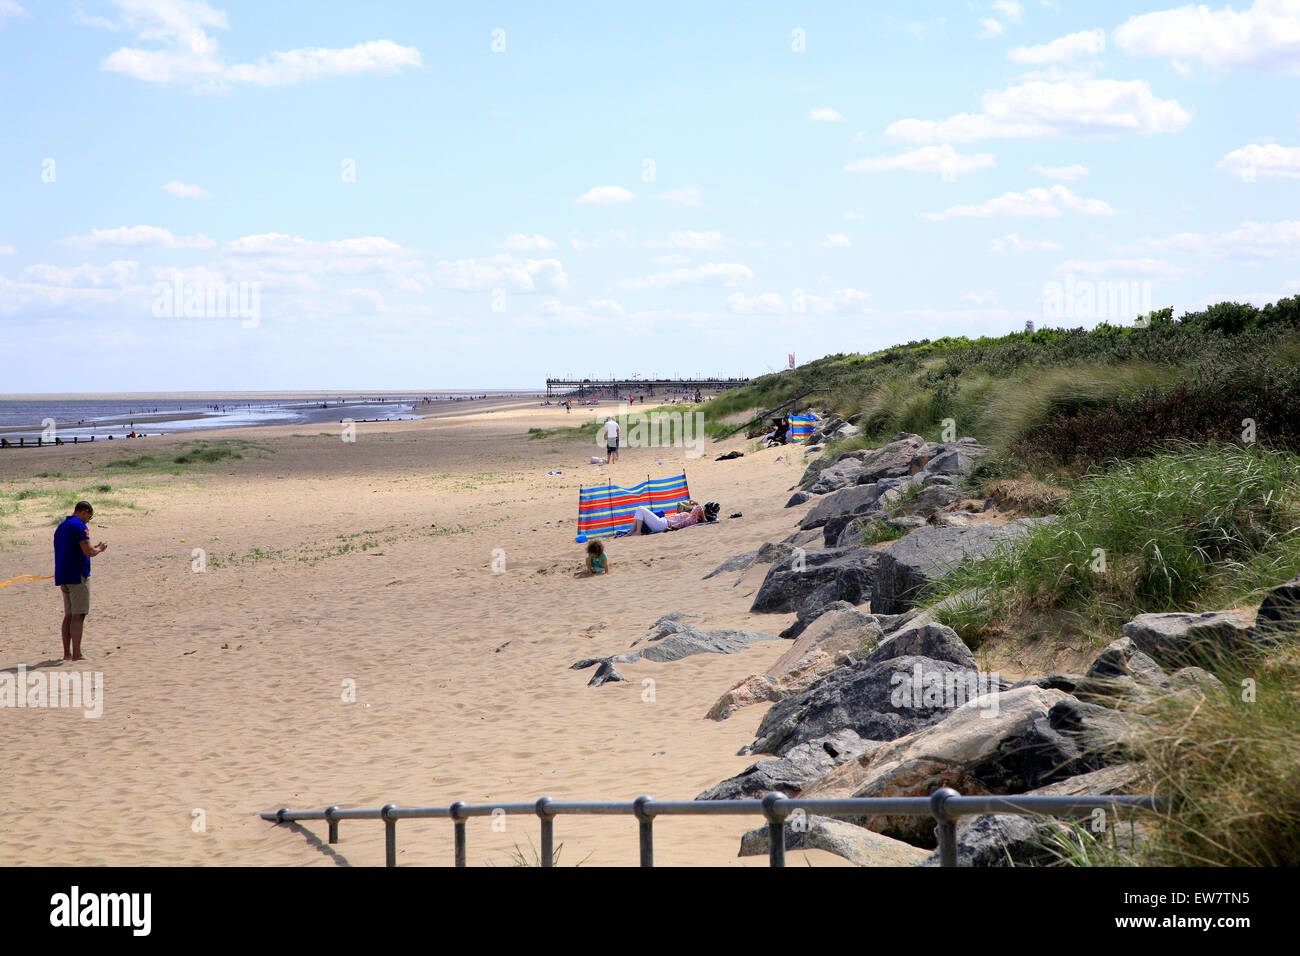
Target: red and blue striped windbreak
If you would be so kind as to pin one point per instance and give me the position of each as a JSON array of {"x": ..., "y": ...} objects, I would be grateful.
[
  {"x": 607, "y": 509},
  {"x": 801, "y": 426}
]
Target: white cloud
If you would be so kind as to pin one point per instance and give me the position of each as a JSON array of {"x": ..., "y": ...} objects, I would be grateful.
[
  {"x": 990, "y": 28},
  {"x": 115, "y": 275},
  {"x": 682, "y": 196},
  {"x": 988, "y": 297},
  {"x": 1264, "y": 37},
  {"x": 836, "y": 240},
  {"x": 182, "y": 51},
  {"x": 1250, "y": 240},
  {"x": 926, "y": 159},
  {"x": 825, "y": 114},
  {"x": 1131, "y": 268},
  {"x": 768, "y": 303},
  {"x": 1009, "y": 9},
  {"x": 605, "y": 196},
  {"x": 274, "y": 242},
  {"x": 1012, "y": 242},
  {"x": 1037, "y": 202},
  {"x": 1081, "y": 44},
  {"x": 6, "y": 249},
  {"x": 11, "y": 10},
  {"x": 1269, "y": 161},
  {"x": 182, "y": 191},
  {"x": 710, "y": 241},
  {"x": 1042, "y": 108},
  {"x": 1067, "y": 173},
  {"x": 606, "y": 307},
  {"x": 854, "y": 216},
  {"x": 140, "y": 236},
  {"x": 522, "y": 243},
  {"x": 714, "y": 273},
  {"x": 502, "y": 272},
  {"x": 672, "y": 259}
]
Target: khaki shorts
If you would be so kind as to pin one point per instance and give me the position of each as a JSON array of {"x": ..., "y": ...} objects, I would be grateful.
[{"x": 76, "y": 597}]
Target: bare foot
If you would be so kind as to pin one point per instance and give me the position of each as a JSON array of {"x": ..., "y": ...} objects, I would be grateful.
[{"x": 79, "y": 657}]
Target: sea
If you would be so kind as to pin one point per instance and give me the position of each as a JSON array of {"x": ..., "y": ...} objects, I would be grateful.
[{"x": 99, "y": 416}]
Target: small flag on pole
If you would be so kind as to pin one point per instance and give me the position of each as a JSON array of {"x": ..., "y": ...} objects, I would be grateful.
[{"x": 792, "y": 360}]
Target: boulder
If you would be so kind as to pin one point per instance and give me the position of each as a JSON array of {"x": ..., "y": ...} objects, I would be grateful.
[
  {"x": 1122, "y": 658},
  {"x": 1280, "y": 609},
  {"x": 870, "y": 699},
  {"x": 798, "y": 498},
  {"x": 1176, "y": 639},
  {"x": 606, "y": 673},
  {"x": 739, "y": 562},
  {"x": 856, "y": 844},
  {"x": 1001, "y": 839},
  {"x": 977, "y": 748},
  {"x": 894, "y": 458},
  {"x": 929, "y": 554},
  {"x": 671, "y": 640},
  {"x": 791, "y": 772},
  {"x": 792, "y": 579},
  {"x": 754, "y": 689},
  {"x": 960, "y": 460},
  {"x": 855, "y": 500},
  {"x": 929, "y": 500},
  {"x": 932, "y": 640},
  {"x": 839, "y": 475}
]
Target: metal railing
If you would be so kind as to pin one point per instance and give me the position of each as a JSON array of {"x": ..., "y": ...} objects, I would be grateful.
[{"x": 944, "y": 805}]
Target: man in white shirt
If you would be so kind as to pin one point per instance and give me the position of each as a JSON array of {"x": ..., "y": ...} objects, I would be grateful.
[{"x": 611, "y": 439}]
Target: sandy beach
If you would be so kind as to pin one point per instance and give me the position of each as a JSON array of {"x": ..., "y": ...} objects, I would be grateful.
[{"x": 330, "y": 562}]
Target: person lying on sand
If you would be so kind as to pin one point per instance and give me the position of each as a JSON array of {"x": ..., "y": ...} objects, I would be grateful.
[
  {"x": 645, "y": 521},
  {"x": 597, "y": 561}
]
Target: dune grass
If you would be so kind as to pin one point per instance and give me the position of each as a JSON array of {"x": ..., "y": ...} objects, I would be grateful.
[{"x": 1198, "y": 528}]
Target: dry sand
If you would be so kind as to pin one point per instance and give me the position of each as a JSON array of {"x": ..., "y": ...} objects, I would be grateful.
[{"x": 224, "y": 689}]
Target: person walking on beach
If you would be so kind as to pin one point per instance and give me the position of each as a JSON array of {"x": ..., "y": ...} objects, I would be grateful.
[
  {"x": 611, "y": 439},
  {"x": 72, "y": 554}
]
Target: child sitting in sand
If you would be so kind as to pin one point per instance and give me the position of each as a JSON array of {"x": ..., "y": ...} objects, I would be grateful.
[{"x": 597, "y": 560}]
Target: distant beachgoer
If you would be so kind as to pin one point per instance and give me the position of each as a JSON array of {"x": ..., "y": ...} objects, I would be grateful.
[
  {"x": 597, "y": 560},
  {"x": 568, "y": 405},
  {"x": 72, "y": 554},
  {"x": 645, "y": 521},
  {"x": 611, "y": 439}
]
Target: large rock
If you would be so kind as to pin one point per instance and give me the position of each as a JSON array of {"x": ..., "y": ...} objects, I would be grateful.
[
  {"x": 871, "y": 699},
  {"x": 670, "y": 639},
  {"x": 929, "y": 554},
  {"x": 792, "y": 579},
  {"x": 978, "y": 748},
  {"x": 739, "y": 562},
  {"x": 791, "y": 772},
  {"x": 1279, "y": 612},
  {"x": 856, "y": 844},
  {"x": 929, "y": 500},
  {"x": 754, "y": 689},
  {"x": 895, "y": 458},
  {"x": 932, "y": 640},
  {"x": 1002, "y": 839},
  {"x": 834, "y": 477},
  {"x": 856, "y": 500},
  {"x": 1176, "y": 639}
]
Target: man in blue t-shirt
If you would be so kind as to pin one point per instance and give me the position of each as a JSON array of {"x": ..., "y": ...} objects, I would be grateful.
[{"x": 72, "y": 554}]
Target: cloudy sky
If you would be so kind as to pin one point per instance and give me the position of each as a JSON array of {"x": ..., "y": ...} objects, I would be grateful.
[{"x": 416, "y": 195}]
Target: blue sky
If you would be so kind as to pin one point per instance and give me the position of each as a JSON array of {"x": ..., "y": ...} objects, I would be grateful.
[{"x": 416, "y": 195}]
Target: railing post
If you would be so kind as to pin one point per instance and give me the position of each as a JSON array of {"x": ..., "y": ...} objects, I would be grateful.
[
  {"x": 548, "y": 831},
  {"x": 390, "y": 834},
  {"x": 647, "y": 827},
  {"x": 459, "y": 827},
  {"x": 946, "y": 825},
  {"x": 334, "y": 824},
  {"x": 775, "y": 828}
]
